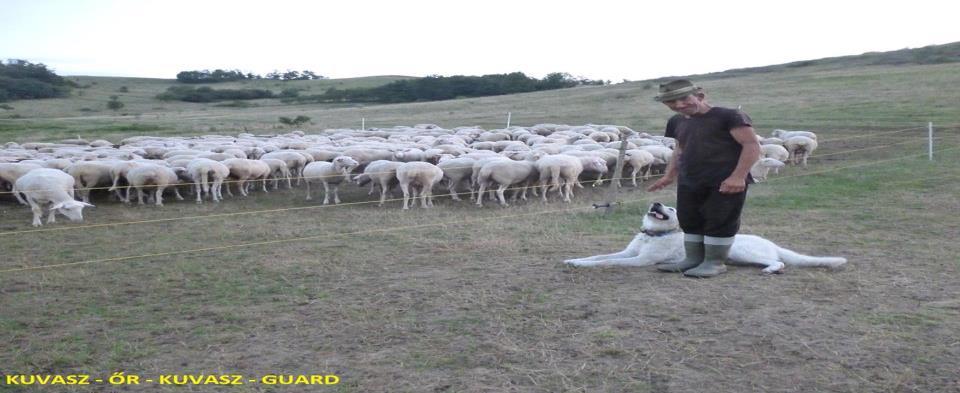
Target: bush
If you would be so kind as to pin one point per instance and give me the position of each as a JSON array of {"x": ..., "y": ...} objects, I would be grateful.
[
  {"x": 20, "y": 80},
  {"x": 294, "y": 122},
  {"x": 7, "y": 107},
  {"x": 123, "y": 89},
  {"x": 115, "y": 103}
]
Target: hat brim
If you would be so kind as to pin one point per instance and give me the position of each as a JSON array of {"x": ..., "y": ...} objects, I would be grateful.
[{"x": 676, "y": 94}]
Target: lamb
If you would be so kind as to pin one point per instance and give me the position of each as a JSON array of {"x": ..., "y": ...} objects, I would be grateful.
[
  {"x": 329, "y": 173},
  {"x": 381, "y": 173},
  {"x": 785, "y": 134},
  {"x": 418, "y": 174},
  {"x": 762, "y": 167},
  {"x": 800, "y": 148},
  {"x": 204, "y": 170},
  {"x": 45, "y": 186},
  {"x": 154, "y": 175}
]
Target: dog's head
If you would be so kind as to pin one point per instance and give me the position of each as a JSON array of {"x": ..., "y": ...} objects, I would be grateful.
[{"x": 660, "y": 218}]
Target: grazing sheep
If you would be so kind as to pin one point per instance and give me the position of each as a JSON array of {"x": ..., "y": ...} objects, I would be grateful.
[
  {"x": 245, "y": 170},
  {"x": 45, "y": 186},
  {"x": 380, "y": 173},
  {"x": 762, "y": 167},
  {"x": 505, "y": 174},
  {"x": 10, "y": 172},
  {"x": 88, "y": 175},
  {"x": 800, "y": 148},
  {"x": 295, "y": 161},
  {"x": 329, "y": 173},
  {"x": 203, "y": 171},
  {"x": 771, "y": 141},
  {"x": 456, "y": 171},
  {"x": 776, "y": 152},
  {"x": 785, "y": 134},
  {"x": 423, "y": 175},
  {"x": 153, "y": 175},
  {"x": 278, "y": 171},
  {"x": 639, "y": 160},
  {"x": 560, "y": 171}
]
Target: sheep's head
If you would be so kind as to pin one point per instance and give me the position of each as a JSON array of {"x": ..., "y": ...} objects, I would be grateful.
[
  {"x": 71, "y": 209},
  {"x": 345, "y": 164},
  {"x": 771, "y": 163},
  {"x": 596, "y": 165}
]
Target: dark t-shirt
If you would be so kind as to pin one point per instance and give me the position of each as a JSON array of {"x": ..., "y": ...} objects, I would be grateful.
[{"x": 710, "y": 153}]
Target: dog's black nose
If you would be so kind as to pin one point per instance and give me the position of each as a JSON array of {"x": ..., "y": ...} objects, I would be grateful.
[{"x": 657, "y": 204}]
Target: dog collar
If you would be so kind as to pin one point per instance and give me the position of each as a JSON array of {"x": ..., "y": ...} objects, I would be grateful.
[{"x": 656, "y": 234}]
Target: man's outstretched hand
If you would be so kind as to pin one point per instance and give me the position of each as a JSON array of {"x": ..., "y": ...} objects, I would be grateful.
[{"x": 660, "y": 184}]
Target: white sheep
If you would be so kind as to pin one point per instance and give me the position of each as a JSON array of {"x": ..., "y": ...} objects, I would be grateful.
[
  {"x": 10, "y": 172},
  {"x": 278, "y": 171},
  {"x": 154, "y": 175},
  {"x": 89, "y": 175},
  {"x": 208, "y": 176},
  {"x": 329, "y": 173},
  {"x": 505, "y": 174},
  {"x": 380, "y": 173},
  {"x": 245, "y": 170},
  {"x": 776, "y": 152},
  {"x": 560, "y": 171},
  {"x": 800, "y": 148},
  {"x": 45, "y": 186},
  {"x": 785, "y": 134},
  {"x": 422, "y": 175},
  {"x": 456, "y": 171},
  {"x": 762, "y": 168},
  {"x": 639, "y": 160}
]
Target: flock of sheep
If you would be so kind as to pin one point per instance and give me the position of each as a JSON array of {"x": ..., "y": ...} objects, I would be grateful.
[{"x": 541, "y": 159}]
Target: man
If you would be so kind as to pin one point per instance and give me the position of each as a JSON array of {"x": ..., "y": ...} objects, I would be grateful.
[{"x": 711, "y": 164}]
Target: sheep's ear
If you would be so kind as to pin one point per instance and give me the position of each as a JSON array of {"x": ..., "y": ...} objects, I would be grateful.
[
  {"x": 56, "y": 206},
  {"x": 87, "y": 204}
]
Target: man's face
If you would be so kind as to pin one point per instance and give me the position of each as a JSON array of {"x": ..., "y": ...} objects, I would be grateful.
[{"x": 688, "y": 106}]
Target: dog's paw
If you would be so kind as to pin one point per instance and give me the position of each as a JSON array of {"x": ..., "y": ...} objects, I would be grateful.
[
  {"x": 775, "y": 269},
  {"x": 579, "y": 262}
]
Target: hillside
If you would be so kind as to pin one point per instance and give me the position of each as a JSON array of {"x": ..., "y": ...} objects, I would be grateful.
[{"x": 852, "y": 93}]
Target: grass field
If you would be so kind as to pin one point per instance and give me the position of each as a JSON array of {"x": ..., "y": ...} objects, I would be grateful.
[{"x": 461, "y": 299}]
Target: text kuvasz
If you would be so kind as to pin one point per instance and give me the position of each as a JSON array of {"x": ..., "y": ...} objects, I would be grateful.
[{"x": 661, "y": 241}]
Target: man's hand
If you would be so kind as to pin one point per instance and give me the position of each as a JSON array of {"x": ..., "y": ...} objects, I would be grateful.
[
  {"x": 733, "y": 185},
  {"x": 660, "y": 184}
]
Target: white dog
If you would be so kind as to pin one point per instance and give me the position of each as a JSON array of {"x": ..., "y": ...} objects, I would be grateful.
[{"x": 661, "y": 241}]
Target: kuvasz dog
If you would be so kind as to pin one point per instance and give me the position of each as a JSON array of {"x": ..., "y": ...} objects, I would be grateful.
[{"x": 661, "y": 241}]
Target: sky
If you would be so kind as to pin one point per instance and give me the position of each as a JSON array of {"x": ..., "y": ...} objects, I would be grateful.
[{"x": 596, "y": 39}]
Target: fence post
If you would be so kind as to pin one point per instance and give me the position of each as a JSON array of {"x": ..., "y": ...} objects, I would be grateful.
[
  {"x": 617, "y": 174},
  {"x": 508, "y": 119},
  {"x": 363, "y": 123},
  {"x": 930, "y": 140}
]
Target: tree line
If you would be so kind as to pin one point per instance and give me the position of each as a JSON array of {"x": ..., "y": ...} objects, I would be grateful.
[
  {"x": 436, "y": 87},
  {"x": 218, "y": 76},
  {"x": 21, "y": 80}
]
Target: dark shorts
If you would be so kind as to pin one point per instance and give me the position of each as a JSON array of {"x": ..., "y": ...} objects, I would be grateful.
[{"x": 703, "y": 210}]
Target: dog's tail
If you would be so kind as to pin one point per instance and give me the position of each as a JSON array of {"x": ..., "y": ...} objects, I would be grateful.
[{"x": 796, "y": 259}]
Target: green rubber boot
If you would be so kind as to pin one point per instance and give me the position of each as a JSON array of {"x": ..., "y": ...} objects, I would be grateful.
[
  {"x": 694, "y": 255},
  {"x": 714, "y": 257}
]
